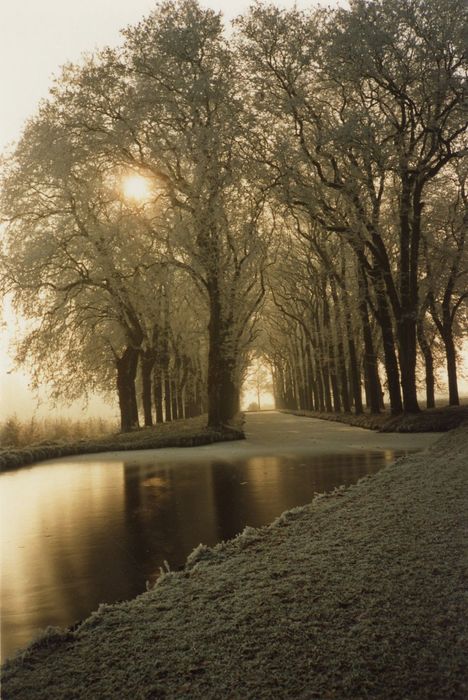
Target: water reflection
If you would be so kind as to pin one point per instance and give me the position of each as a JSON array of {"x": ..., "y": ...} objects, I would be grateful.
[{"x": 75, "y": 534}]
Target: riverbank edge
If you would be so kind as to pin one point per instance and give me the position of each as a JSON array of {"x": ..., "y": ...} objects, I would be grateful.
[
  {"x": 139, "y": 440},
  {"x": 152, "y": 646},
  {"x": 433, "y": 420}
]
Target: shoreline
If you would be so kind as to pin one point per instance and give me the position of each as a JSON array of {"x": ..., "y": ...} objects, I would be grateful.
[
  {"x": 193, "y": 432},
  {"x": 187, "y": 433},
  {"x": 358, "y": 594},
  {"x": 427, "y": 421}
]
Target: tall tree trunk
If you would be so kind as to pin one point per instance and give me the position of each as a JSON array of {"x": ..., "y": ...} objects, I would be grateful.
[
  {"x": 320, "y": 406},
  {"x": 334, "y": 381},
  {"x": 428, "y": 365},
  {"x": 330, "y": 353},
  {"x": 406, "y": 312},
  {"x": 308, "y": 376},
  {"x": 373, "y": 390},
  {"x": 451, "y": 358},
  {"x": 147, "y": 360},
  {"x": 324, "y": 368},
  {"x": 406, "y": 330},
  {"x": 390, "y": 358},
  {"x": 291, "y": 401},
  {"x": 158, "y": 395},
  {"x": 167, "y": 396},
  {"x": 353, "y": 361},
  {"x": 339, "y": 351},
  {"x": 223, "y": 393},
  {"x": 174, "y": 405},
  {"x": 126, "y": 367}
]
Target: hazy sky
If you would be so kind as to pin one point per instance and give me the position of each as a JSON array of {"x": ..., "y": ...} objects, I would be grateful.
[{"x": 38, "y": 36}]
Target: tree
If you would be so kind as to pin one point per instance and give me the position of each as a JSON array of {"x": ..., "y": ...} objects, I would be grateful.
[{"x": 78, "y": 260}]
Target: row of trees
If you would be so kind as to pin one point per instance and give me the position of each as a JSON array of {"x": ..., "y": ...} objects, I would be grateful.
[
  {"x": 323, "y": 336},
  {"x": 368, "y": 154},
  {"x": 319, "y": 155}
]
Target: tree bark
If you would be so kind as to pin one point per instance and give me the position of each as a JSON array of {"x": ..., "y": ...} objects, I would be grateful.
[
  {"x": 428, "y": 365},
  {"x": 174, "y": 405},
  {"x": 406, "y": 330},
  {"x": 167, "y": 397},
  {"x": 390, "y": 358},
  {"x": 158, "y": 395},
  {"x": 126, "y": 367},
  {"x": 370, "y": 357},
  {"x": 451, "y": 358},
  {"x": 147, "y": 360},
  {"x": 223, "y": 394}
]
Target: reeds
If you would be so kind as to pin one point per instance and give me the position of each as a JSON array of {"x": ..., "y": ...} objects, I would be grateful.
[{"x": 15, "y": 433}]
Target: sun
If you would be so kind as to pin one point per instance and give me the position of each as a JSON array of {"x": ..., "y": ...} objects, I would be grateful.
[{"x": 136, "y": 187}]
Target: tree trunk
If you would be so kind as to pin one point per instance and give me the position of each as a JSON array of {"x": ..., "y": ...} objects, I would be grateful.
[
  {"x": 390, "y": 358},
  {"x": 167, "y": 396},
  {"x": 174, "y": 405},
  {"x": 158, "y": 395},
  {"x": 126, "y": 373},
  {"x": 370, "y": 358},
  {"x": 334, "y": 380},
  {"x": 353, "y": 362},
  {"x": 451, "y": 358},
  {"x": 324, "y": 368},
  {"x": 428, "y": 365},
  {"x": 313, "y": 388},
  {"x": 407, "y": 354},
  {"x": 147, "y": 361},
  {"x": 223, "y": 394},
  {"x": 339, "y": 349},
  {"x": 406, "y": 312}
]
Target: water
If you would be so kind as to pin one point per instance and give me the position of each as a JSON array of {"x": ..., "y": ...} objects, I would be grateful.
[{"x": 78, "y": 533}]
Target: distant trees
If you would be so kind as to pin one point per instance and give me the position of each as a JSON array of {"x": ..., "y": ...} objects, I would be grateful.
[
  {"x": 257, "y": 380},
  {"x": 304, "y": 176}
]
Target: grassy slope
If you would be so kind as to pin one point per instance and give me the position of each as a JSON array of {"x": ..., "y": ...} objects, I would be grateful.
[{"x": 181, "y": 433}]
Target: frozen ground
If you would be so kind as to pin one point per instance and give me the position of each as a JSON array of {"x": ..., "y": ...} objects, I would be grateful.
[
  {"x": 281, "y": 434},
  {"x": 362, "y": 594}
]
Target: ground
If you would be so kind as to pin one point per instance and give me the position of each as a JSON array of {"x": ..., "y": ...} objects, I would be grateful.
[
  {"x": 359, "y": 594},
  {"x": 193, "y": 431},
  {"x": 271, "y": 433}
]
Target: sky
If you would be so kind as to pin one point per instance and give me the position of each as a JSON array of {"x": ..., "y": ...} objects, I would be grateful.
[{"x": 38, "y": 36}]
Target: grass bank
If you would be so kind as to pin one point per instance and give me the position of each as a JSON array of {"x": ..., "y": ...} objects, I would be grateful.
[
  {"x": 181, "y": 433},
  {"x": 433, "y": 420},
  {"x": 360, "y": 594}
]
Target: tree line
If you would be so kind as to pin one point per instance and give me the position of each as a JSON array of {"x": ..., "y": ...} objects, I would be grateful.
[{"x": 306, "y": 180}]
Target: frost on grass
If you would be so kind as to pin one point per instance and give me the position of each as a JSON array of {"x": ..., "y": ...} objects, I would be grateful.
[{"x": 360, "y": 594}]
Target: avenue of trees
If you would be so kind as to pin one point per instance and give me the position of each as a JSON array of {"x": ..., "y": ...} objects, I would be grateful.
[{"x": 300, "y": 194}]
